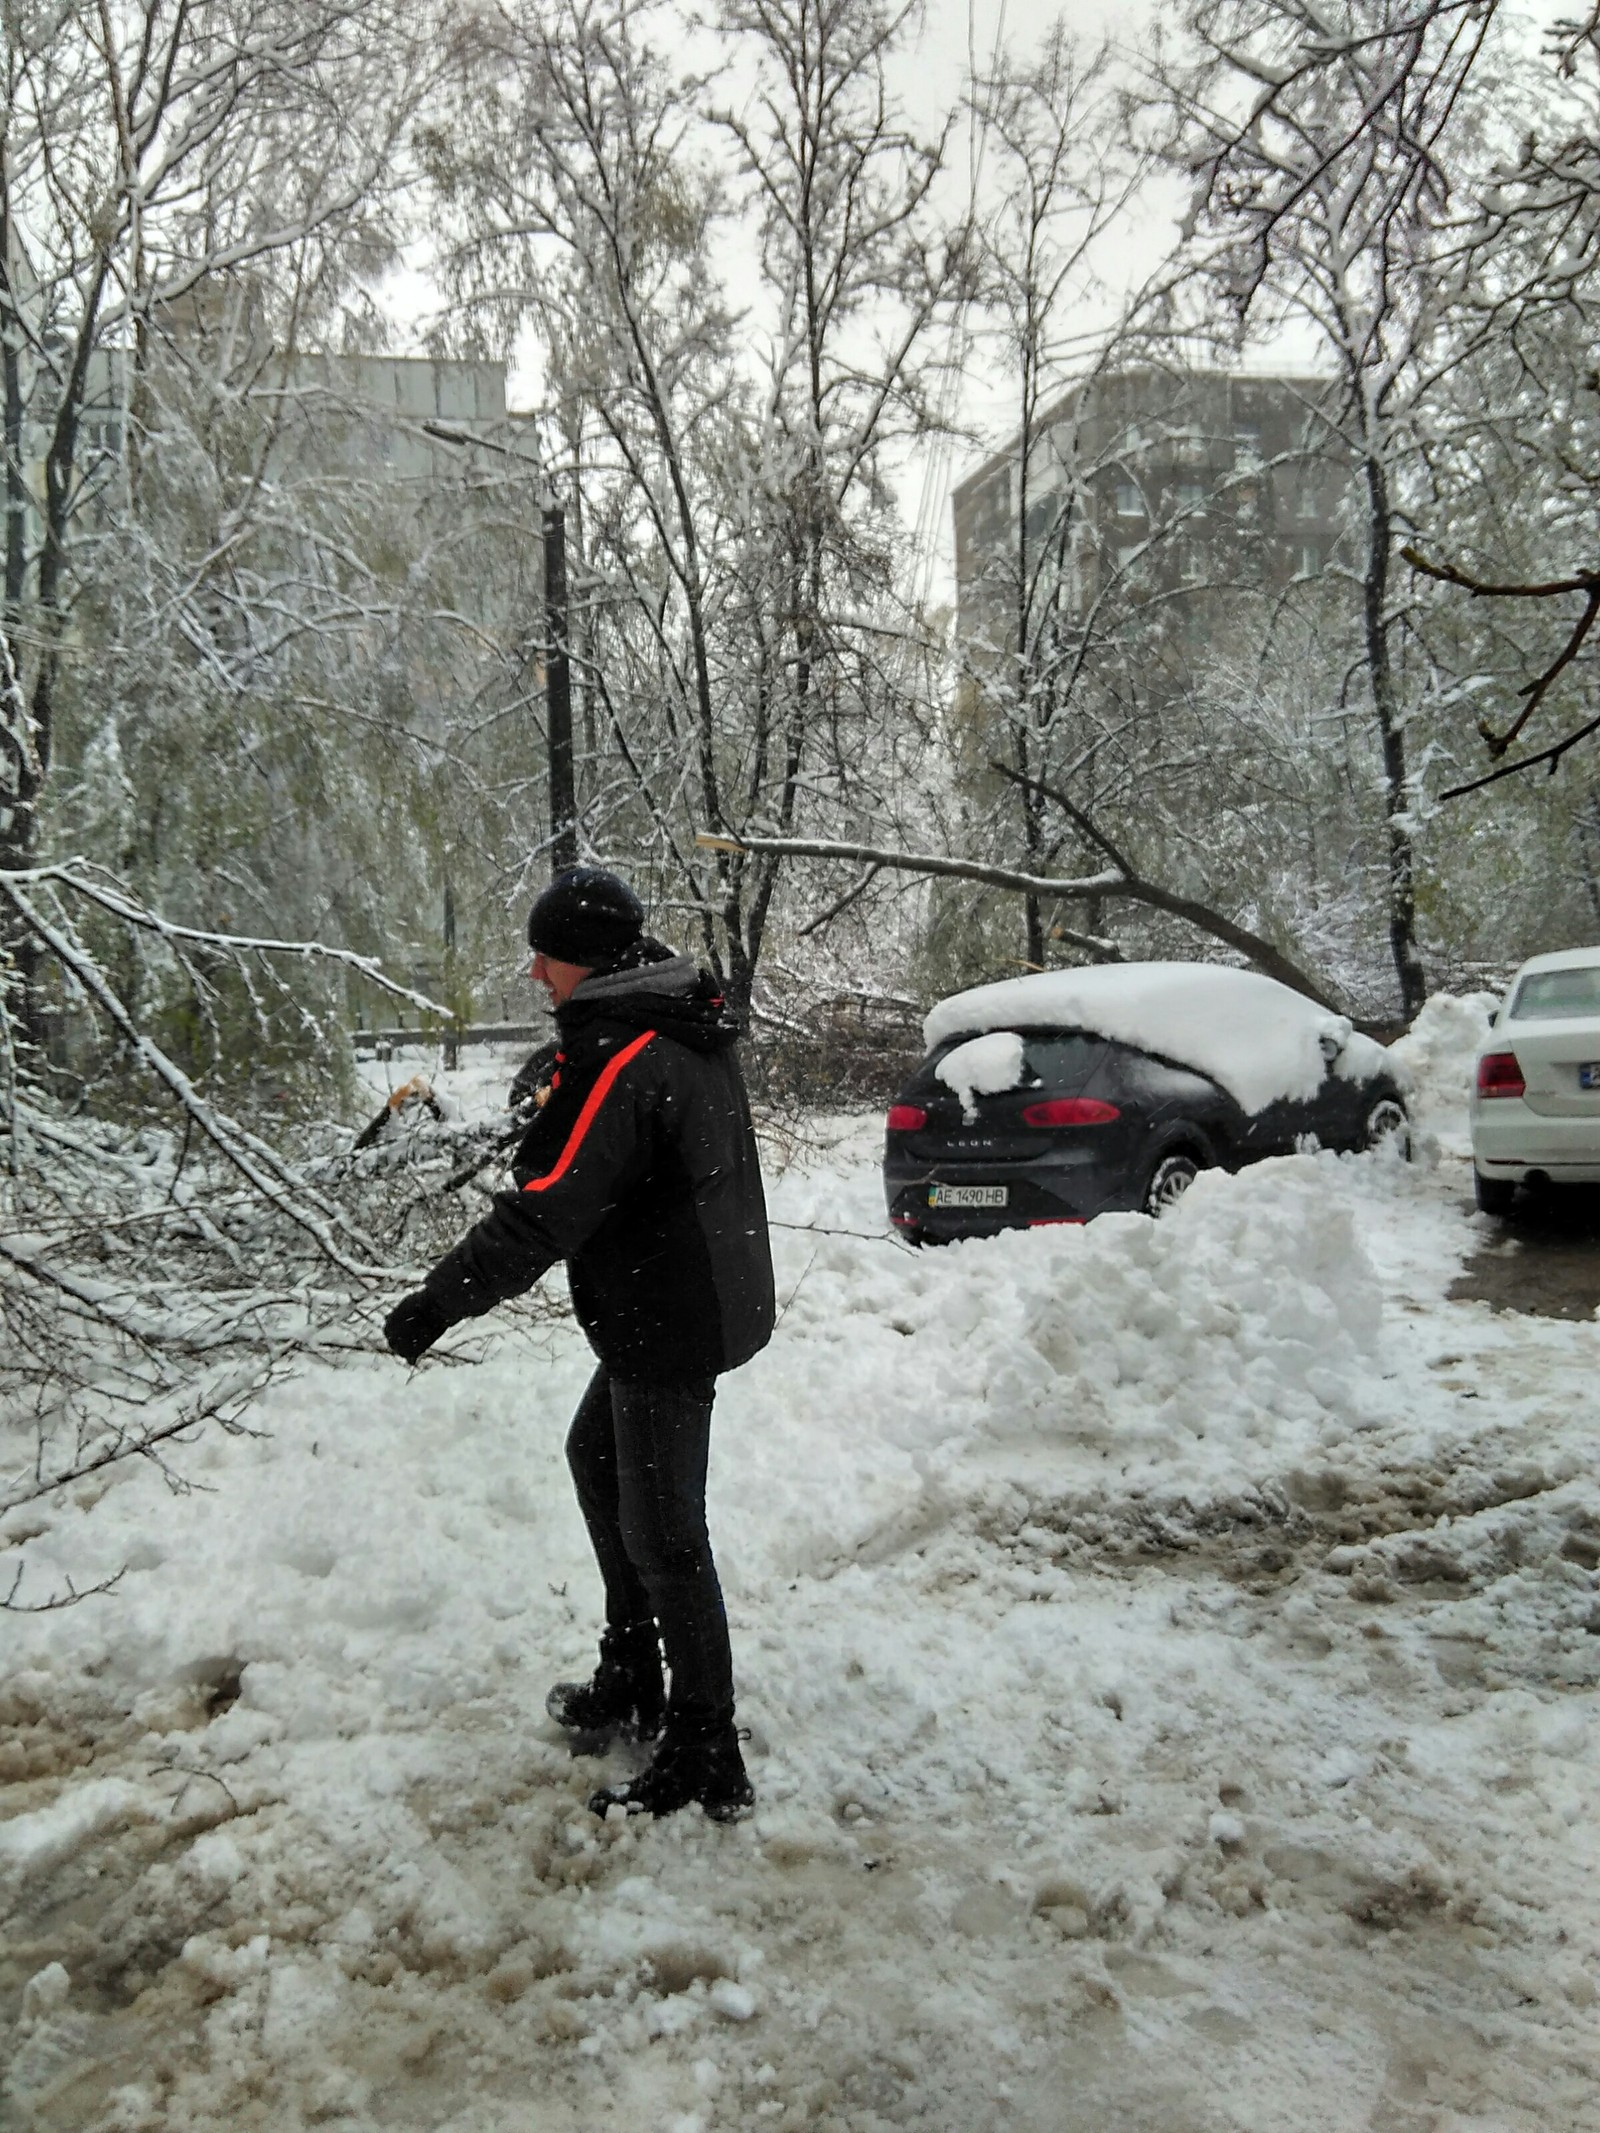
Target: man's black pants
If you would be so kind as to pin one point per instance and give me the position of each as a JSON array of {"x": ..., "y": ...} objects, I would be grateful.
[{"x": 638, "y": 1458}]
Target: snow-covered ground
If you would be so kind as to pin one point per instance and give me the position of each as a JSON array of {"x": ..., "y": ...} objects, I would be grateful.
[{"x": 1170, "y": 1655}]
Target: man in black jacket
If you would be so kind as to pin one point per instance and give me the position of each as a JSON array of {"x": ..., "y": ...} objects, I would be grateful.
[{"x": 640, "y": 1171}]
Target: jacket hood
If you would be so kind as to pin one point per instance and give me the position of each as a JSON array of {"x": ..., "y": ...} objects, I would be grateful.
[
  {"x": 667, "y": 973},
  {"x": 673, "y": 996}
]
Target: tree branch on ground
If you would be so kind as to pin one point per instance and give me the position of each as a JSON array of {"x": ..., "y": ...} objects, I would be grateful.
[{"x": 163, "y": 1259}]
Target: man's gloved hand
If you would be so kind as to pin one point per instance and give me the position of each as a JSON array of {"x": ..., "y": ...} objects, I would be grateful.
[{"x": 414, "y": 1324}]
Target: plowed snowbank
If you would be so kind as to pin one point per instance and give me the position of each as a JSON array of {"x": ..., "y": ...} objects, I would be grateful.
[{"x": 1206, "y": 1350}]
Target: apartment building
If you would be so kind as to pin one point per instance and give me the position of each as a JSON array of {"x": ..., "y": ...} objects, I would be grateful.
[
  {"x": 393, "y": 419},
  {"x": 1153, "y": 482}
]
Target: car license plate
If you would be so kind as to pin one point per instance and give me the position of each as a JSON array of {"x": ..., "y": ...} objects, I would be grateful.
[
  {"x": 967, "y": 1195},
  {"x": 1589, "y": 1076}
]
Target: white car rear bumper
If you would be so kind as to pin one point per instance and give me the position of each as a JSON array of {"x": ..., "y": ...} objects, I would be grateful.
[{"x": 1510, "y": 1141}]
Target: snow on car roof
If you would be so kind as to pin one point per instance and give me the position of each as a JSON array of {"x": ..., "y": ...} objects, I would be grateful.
[
  {"x": 1251, "y": 1035},
  {"x": 1560, "y": 959}
]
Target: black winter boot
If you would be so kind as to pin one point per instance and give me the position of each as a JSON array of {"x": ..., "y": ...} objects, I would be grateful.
[
  {"x": 709, "y": 1769},
  {"x": 624, "y": 1695}
]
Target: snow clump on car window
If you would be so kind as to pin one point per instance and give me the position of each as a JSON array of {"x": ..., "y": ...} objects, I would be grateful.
[{"x": 984, "y": 1066}]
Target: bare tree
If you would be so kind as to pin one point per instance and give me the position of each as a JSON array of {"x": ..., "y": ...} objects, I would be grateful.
[
  {"x": 582, "y": 205},
  {"x": 856, "y": 273},
  {"x": 1530, "y": 234},
  {"x": 1054, "y": 163},
  {"x": 1130, "y": 552},
  {"x": 1325, "y": 150},
  {"x": 735, "y": 599}
]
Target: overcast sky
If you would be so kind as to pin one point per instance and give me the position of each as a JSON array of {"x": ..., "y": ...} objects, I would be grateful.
[
  {"x": 931, "y": 81},
  {"x": 951, "y": 28}
]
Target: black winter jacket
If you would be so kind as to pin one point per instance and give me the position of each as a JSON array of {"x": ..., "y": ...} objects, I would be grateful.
[{"x": 641, "y": 1171}]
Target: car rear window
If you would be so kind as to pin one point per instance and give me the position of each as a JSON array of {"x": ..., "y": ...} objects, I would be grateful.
[
  {"x": 1553, "y": 995},
  {"x": 1051, "y": 1059},
  {"x": 1059, "y": 1060}
]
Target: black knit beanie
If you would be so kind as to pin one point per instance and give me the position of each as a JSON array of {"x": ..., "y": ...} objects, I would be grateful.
[{"x": 586, "y": 916}]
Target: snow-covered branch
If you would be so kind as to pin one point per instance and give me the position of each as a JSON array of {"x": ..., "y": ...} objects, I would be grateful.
[{"x": 1120, "y": 880}]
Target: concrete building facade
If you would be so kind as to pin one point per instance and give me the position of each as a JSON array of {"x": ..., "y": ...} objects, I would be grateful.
[
  {"x": 376, "y": 417},
  {"x": 1159, "y": 482}
]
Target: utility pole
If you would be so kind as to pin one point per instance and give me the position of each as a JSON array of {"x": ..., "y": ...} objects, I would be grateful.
[
  {"x": 557, "y": 655},
  {"x": 452, "y": 1034},
  {"x": 558, "y": 693}
]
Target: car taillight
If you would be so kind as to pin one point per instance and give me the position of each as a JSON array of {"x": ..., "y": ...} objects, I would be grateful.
[
  {"x": 1500, "y": 1075},
  {"x": 1070, "y": 1111},
  {"x": 906, "y": 1118}
]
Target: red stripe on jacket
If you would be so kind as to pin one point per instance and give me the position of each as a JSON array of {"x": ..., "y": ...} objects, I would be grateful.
[{"x": 586, "y": 1117}]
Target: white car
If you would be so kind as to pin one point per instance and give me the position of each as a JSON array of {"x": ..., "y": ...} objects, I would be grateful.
[{"x": 1535, "y": 1103}]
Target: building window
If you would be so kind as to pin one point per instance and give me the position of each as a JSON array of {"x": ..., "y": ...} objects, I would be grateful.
[
  {"x": 1044, "y": 516},
  {"x": 1129, "y": 498},
  {"x": 1189, "y": 442},
  {"x": 1189, "y": 497},
  {"x": 1309, "y": 563},
  {"x": 1247, "y": 437}
]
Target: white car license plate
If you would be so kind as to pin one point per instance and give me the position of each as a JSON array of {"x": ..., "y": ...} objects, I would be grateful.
[
  {"x": 967, "y": 1195},
  {"x": 1589, "y": 1076}
]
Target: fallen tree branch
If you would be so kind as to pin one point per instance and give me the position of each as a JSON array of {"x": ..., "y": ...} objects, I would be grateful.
[
  {"x": 76, "y": 874},
  {"x": 153, "y": 1282},
  {"x": 1261, "y": 953},
  {"x": 172, "y": 1420},
  {"x": 252, "y": 1157},
  {"x": 1106, "y": 951},
  {"x": 1266, "y": 958},
  {"x": 68, "y": 1595}
]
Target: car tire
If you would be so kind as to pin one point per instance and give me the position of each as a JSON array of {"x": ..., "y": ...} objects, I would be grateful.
[
  {"x": 1387, "y": 1124},
  {"x": 1171, "y": 1178},
  {"x": 1494, "y": 1196}
]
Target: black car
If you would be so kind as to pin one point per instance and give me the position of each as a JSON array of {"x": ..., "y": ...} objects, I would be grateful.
[{"x": 1093, "y": 1125}]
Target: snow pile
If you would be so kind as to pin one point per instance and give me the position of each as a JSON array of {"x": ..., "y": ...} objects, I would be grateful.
[
  {"x": 1229, "y": 1336},
  {"x": 1198, "y": 1350},
  {"x": 33, "y": 1843},
  {"x": 983, "y": 1066},
  {"x": 1437, "y": 1053},
  {"x": 1254, "y": 1037}
]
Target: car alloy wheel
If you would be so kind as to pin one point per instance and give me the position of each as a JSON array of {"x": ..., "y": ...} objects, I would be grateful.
[
  {"x": 1387, "y": 1126},
  {"x": 1169, "y": 1181}
]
